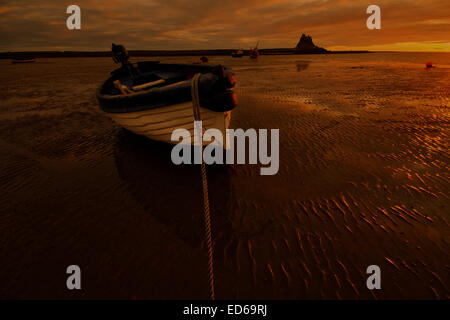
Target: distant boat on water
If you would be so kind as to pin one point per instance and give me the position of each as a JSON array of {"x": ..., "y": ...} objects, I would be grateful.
[
  {"x": 254, "y": 53},
  {"x": 23, "y": 59},
  {"x": 153, "y": 99},
  {"x": 238, "y": 54}
]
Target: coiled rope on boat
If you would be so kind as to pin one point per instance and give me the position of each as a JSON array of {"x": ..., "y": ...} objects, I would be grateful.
[{"x": 207, "y": 216}]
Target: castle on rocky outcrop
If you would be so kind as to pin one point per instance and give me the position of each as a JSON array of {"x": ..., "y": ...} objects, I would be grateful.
[{"x": 307, "y": 45}]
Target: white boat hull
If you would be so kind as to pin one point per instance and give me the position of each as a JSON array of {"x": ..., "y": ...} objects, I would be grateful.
[{"x": 159, "y": 124}]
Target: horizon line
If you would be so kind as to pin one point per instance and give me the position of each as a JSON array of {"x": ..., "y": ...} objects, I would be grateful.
[{"x": 219, "y": 49}]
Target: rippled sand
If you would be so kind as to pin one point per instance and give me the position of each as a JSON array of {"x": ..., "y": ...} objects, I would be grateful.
[{"x": 363, "y": 180}]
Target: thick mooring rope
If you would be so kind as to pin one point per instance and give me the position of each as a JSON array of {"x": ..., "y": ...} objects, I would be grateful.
[{"x": 197, "y": 117}]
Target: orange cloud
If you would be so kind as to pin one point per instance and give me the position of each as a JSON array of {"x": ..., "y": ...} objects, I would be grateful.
[{"x": 207, "y": 24}]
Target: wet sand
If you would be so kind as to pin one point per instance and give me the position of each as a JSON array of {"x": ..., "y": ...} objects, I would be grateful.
[{"x": 363, "y": 180}]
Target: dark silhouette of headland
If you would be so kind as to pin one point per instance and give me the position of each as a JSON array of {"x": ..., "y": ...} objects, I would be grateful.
[
  {"x": 307, "y": 45},
  {"x": 304, "y": 46}
]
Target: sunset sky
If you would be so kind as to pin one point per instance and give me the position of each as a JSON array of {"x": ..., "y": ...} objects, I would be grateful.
[{"x": 406, "y": 25}]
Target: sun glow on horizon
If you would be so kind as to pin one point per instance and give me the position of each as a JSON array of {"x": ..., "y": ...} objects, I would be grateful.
[{"x": 429, "y": 46}]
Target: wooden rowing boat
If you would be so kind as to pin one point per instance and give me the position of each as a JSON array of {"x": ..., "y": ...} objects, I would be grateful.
[{"x": 154, "y": 99}]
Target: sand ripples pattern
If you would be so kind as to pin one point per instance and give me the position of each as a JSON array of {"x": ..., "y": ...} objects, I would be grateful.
[{"x": 363, "y": 180}]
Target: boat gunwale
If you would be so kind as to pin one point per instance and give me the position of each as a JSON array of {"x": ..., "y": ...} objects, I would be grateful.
[{"x": 219, "y": 101}]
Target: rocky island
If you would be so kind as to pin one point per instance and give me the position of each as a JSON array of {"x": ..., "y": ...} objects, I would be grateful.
[{"x": 306, "y": 45}]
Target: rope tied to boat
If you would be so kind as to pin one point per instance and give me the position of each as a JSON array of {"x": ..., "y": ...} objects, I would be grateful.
[{"x": 207, "y": 216}]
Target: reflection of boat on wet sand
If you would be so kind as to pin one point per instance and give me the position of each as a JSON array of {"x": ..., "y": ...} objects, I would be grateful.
[
  {"x": 170, "y": 193},
  {"x": 153, "y": 99}
]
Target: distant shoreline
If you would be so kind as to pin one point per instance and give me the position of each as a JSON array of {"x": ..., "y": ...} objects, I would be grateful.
[{"x": 156, "y": 53}]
